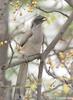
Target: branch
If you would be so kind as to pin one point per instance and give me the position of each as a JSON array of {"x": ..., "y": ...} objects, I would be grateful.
[
  {"x": 50, "y": 74},
  {"x": 70, "y": 2},
  {"x": 52, "y": 89},
  {"x": 21, "y": 60},
  {"x": 58, "y": 36},
  {"x": 14, "y": 86},
  {"x": 53, "y": 11},
  {"x": 40, "y": 80}
]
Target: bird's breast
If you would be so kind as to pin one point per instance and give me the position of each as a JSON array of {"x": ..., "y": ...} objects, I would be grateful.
[{"x": 37, "y": 35}]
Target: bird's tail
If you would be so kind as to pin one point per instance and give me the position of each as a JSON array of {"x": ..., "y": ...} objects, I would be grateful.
[{"x": 21, "y": 81}]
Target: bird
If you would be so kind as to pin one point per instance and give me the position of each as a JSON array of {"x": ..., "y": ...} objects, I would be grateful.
[{"x": 31, "y": 47}]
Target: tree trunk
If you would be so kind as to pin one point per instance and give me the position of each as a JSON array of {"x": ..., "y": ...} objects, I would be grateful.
[{"x": 3, "y": 48}]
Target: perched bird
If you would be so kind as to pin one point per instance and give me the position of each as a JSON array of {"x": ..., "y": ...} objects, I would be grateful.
[{"x": 31, "y": 47}]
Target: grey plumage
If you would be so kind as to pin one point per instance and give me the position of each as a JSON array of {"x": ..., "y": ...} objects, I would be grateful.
[{"x": 31, "y": 47}]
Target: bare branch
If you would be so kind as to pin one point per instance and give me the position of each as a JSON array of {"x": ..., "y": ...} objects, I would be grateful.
[
  {"x": 58, "y": 36},
  {"x": 40, "y": 80},
  {"x": 51, "y": 11},
  {"x": 22, "y": 60},
  {"x": 70, "y": 2},
  {"x": 52, "y": 89}
]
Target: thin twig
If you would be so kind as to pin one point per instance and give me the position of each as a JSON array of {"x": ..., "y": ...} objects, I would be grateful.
[
  {"x": 52, "y": 89},
  {"x": 12, "y": 54},
  {"x": 51, "y": 11}
]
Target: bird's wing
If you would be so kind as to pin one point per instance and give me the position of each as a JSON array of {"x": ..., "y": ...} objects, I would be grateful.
[{"x": 25, "y": 38}]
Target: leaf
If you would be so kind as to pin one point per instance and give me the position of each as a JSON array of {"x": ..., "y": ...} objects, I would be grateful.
[
  {"x": 51, "y": 19},
  {"x": 33, "y": 87},
  {"x": 66, "y": 88},
  {"x": 26, "y": 1},
  {"x": 56, "y": 94}
]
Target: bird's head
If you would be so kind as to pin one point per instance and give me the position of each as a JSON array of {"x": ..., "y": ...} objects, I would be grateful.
[{"x": 38, "y": 20}]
